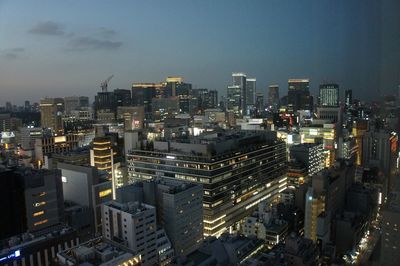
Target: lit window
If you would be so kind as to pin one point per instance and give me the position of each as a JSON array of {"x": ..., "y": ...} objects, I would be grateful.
[
  {"x": 38, "y": 213},
  {"x": 40, "y": 194},
  {"x": 41, "y": 222},
  {"x": 105, "y": 193},
  {"x": 38, "y": 204}
]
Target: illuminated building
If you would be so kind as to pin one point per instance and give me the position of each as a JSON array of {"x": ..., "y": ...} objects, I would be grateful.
[
  {"x": 143, "y": 94},
  {"x": 250, "y": 94},
  {"x": 237, "y": 169},
  {"x": 234, "y": 98},
  {"x": 51, "y": 111},
  {"x": 348, "y": 98},
  {"x": 380, "y": 149},
  {"x": 29, "y": 136},
  {"x": 310, "y": 155},
  {"x": 299, "y": 97},
  {"x": 83, "y": 185},
  {"x": 99, "y": 251},
  {"x": 58, "y": 144},
  {"x": 165, "y": 108},
  {"x": 265, "y": 225},
  {"x": 329, "y": 95},
  {"x": 297, "y": 174},
  {"x": 332, "y": 114},
  {"x": 132, "y": 116},
  {"x": 239, "y": 80},
  {"x": 102, "y": 154},
  {"x": 38, "y": 248},
  {"x": 324, "y": 199},
  {"x": 322, "y": 133},
  {"x": 133, "y": 223},
  {"x": 358, "y": 131},
  {"x": 184, "y": 225},
  {"x": 32, "y": 200}
]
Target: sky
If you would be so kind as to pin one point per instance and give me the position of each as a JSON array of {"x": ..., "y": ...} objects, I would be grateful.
[{"x": 65, "y": 48}]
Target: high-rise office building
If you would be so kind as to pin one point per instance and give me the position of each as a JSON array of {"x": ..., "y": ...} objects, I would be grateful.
[
  {"x": 51, "y": 111},
  {"x": 122, "y": 97},
  {"x": 380, "y": 149},
  {"x": 176, "y": 87},
  {"x": 348, "y": 98},
  {"x": 329, "y": 95},
  {"x": 299, "y": 97},
  {"x": 310, "y": 155},
  {"x": 180, "y": 212},
  {"x": 212, "y": 99},
  {"x": 143, "y": 94},
  {"x": 273, "y": 97},
  {"x": 237, "y": 169},
  {"x": 31, "y": 200},
  {"x": 250, "y": 93},
  {"x": 239, "y": 79},
  {"x": 179, "y": 207},
  {"x": 259, "y": 103},
  {"x": 74, "y": 103},
  {"x": 233, "y": 99},
  {"x": 135, "y": 224},
  {"x": 323, "y": 200}
]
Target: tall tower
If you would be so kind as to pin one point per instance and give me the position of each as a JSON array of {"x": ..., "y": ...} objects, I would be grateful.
[
  {"x": 273, "y": 96},
  {"x": 239, "y": 79},
  {"x": 299, "y": 97},
  {"x": 329, "y": 95},
  {"x": 250, "y": 93}
]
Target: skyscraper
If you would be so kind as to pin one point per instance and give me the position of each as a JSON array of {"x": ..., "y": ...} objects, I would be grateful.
[
  {"x": 250, "y": 93},
  {"x": 259, "y": 103},
  {"x": 122, "y": 97},
  {"x": 273, "y": 96},
  {"x": 51, "y": 111},
  {"x": 233, "y": 99},
  {"x": 239, "y": 79},
  {"x": 143, "y": 93},
  {"x": 299, "y": 97},
  {"x": 348, "y": 98},
  {"x": 329, "y": 95}
]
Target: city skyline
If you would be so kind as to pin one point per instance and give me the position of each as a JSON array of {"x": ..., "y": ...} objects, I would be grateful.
[{"x": 51, "y": 53}]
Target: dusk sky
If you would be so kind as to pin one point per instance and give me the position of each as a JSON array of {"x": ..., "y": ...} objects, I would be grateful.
[{"x": 65, "y": 48}]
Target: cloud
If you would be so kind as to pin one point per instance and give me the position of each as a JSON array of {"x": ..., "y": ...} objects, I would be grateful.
[
  {"x": 89, "y": 43},
  {"x": 47, "y": 28},
  {"x": 106, "y": 33},
  {"x": 12, "y": 53}
]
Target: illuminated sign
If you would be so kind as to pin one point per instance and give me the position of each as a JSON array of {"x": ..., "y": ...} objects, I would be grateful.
[{"x": 15, "y": 254}]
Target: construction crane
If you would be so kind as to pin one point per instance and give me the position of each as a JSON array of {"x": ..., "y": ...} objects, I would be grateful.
[{"x": 104, "y": 84}]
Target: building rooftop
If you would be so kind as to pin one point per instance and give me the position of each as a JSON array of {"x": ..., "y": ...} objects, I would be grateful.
[
  {"x": 129, "y": 207},
  {"x": 98, "y": 251},
  {"x": 26, "y": 239}
]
